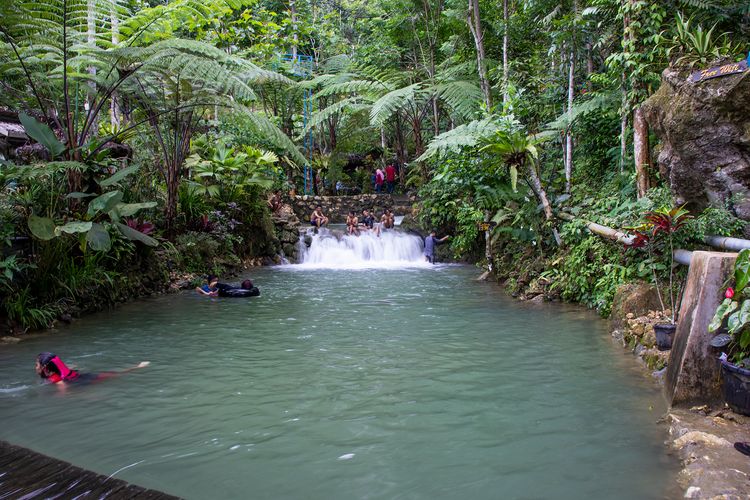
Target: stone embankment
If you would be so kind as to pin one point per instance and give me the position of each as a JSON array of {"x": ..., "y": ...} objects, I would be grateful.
[
  {"x": 287, "y": 226},
  {"x": 702, "y": 437},
  {"x": 337, "y": 207}
]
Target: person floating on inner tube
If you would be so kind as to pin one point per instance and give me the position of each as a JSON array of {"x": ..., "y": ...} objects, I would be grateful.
[
  {"x": 52, "y": 369},
  {"x": 246, "y": 289},
  {"x": 210, "y": 288}
]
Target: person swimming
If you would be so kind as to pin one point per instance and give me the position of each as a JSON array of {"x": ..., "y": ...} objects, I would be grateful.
[
  {"x": 210, "y": 288},
  {"x": 52, "y": 369}
]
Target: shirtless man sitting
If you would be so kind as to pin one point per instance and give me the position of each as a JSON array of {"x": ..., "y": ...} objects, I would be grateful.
[
  {"x": 317, "y": 218},
  {"x": 388, "y": 219},
  {"x": 352, "y": 224}
]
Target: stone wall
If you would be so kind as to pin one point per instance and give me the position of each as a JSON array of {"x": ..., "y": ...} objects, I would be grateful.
[
  {"x": 287, "y": 226},
  {"x": 337, "y": 207}
]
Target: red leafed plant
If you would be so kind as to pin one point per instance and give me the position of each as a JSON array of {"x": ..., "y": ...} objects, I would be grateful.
[
  {"x": 656, "y": 232},
  {"x": 145, "y": 227}
]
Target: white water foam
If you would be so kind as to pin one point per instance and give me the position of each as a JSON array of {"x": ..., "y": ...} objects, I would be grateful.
[{"x": 332, "y": 249}]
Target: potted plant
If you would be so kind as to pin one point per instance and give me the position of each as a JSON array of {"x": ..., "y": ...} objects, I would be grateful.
[
  {"x": 732, "y": 324},
  {"x": 657, "y": 234}
]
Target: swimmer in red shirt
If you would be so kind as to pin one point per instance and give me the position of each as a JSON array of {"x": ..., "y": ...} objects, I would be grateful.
[{"x": 52, "y": 369}]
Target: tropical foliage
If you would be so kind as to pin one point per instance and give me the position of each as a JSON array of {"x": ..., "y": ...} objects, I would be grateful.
[{"x": 167, "y": 123}]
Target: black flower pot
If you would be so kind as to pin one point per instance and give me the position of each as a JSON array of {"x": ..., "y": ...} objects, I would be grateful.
[
  {"x": 664, "y": 335},
  {"x": 735, "y": 386}
]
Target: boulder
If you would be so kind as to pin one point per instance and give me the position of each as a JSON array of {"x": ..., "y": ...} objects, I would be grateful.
[
  {"x": 704, "y": 131},
  {"x": 632, "y": 298}
]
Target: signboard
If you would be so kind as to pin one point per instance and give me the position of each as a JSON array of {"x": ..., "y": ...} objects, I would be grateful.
[
  {"x": 486, "y": 226},
  {"x": 727, "y": 69}
]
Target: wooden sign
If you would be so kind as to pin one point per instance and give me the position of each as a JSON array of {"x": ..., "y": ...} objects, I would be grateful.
[
  {"x": 486, "y": 226},
  {"x": 727, "y": 69}
]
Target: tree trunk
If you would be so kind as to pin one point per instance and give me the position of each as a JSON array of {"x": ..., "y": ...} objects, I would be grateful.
[
  {"x": 488, "y": 241},
  {"x": 589, "y": 66},
  {"x": 475, "y": 27},
  {"x": 641, "y": 151},
  {"x": 293, "y": 13},
  {"x": 624, "y": 126},
  {"x": 505, "y": 52},
  {"x": 91, "y": 42},
  {"x": 569, "y": 131},
  {"x": 115, "y": 25},
  {"x": 400, "y": 149},
  {"x": 541, "y": 194},
  {"x": 170, "y": 209}
]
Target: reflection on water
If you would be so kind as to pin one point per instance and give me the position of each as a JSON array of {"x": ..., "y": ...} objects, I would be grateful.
[{"x": 409, "y": 383}]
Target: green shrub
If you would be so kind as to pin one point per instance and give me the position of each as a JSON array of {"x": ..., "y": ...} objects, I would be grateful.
[{"x": 198, "y": 252}]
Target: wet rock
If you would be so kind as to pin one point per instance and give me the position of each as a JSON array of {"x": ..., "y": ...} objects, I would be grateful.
[
  {"x": 632, "y": 300},
  {"x": 638, "y": 330},
  {"x": 10, "y": 340},
  {"x": 537, "y": 299},
  {"x": 698, "y": 437},
  {"x": 649, "y": 339}
]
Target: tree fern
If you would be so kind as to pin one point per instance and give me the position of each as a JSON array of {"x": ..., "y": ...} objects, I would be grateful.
[
  {"x": 271, "y": 132},
  {"x": 390, "y": 103},
  {"x": 351, "y": 104},
  {"x": 463, "y": 97},
  {"x": 467, "y": 135},
  {"x": 597, "y": 102}
]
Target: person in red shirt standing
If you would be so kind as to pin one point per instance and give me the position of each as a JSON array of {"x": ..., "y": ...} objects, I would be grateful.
[{"x": 390, "y": 178}]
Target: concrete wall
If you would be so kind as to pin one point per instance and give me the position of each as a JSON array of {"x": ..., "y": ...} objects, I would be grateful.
[{"x": 693, "y": 369}]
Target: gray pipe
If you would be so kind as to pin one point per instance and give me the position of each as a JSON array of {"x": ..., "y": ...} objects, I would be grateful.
[
  {"x": 726, "y": 243},
  {"x": 682, "y": 256}
]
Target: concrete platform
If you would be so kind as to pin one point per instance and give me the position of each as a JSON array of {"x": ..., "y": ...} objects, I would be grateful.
[{"x": 27, "y": 474}]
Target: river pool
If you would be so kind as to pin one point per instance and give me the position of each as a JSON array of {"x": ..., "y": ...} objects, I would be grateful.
[{"x": 407, "y": 382}]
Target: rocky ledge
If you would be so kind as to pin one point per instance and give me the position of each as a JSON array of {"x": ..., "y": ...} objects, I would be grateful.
[{"x": 703, "y": 439}]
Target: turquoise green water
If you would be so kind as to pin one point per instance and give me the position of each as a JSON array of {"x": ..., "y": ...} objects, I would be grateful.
[{"x": 412, "y": 383}]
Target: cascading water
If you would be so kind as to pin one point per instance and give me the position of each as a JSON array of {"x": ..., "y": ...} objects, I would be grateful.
[{"x": 335, "y": 249}]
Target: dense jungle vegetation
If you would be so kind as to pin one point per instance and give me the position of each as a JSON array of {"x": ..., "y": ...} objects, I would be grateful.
[{"x": 159, "y": 127}]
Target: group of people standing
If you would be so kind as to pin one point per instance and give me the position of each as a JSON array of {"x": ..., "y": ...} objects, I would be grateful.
[{"x": 385, "y": 178}]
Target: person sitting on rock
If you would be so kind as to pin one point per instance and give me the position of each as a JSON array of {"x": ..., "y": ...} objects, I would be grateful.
[
  {"x": 275, "y": 202},
  {"x": 388, "y": 219},
  {"x": 317, "y": 218},
  {"x": 352, "y": 226},
  {"x": 367, "y": 219}
]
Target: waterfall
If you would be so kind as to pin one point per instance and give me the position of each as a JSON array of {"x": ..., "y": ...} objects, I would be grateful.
[{"x": 335, "y": 249}]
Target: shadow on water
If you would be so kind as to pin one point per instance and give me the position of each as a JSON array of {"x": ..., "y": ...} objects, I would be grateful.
[{"x": 415, "y": 382}]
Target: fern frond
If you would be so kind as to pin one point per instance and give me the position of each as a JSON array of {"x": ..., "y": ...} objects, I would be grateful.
[
  {"x": 599, "y": 101},
  {"x": 391, "y": 102},
  {"x": 351, "y": 104},
  {"x": 271, "y": 132},
  {"x": 337, "y": 63},
  {"x": 466, "y": 135},
  {"x": 362, "y": 87},
  {"x": 463, "y": 97}
]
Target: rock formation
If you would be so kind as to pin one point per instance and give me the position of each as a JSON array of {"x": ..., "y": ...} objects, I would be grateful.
[{"x": 704, "y": 130}]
